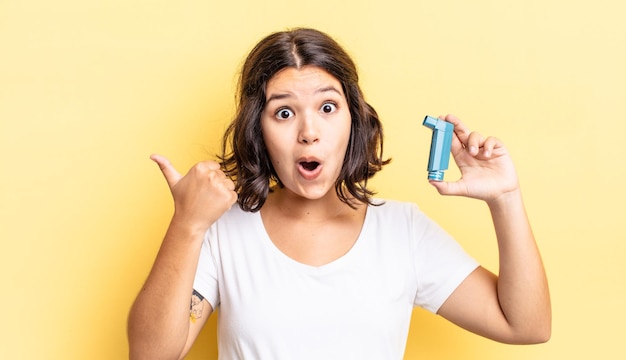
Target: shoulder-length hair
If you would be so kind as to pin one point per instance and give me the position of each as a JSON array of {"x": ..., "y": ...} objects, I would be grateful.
[{"x": 244, "y": 156}]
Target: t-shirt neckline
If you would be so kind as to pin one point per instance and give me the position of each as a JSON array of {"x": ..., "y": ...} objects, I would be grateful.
[{"x": 297, "y": 265}]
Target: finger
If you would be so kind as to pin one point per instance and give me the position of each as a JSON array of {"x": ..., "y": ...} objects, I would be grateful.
[
  {"x": 490, "y": 145},
  {"x": 214, "y": 173},
  {"x": 449, "y": 188},
  {"x": 230, "y": 185},
  {"x": 461, "y": 131},
  {"x": 457, "y": 145},
  {"x": 171, "y": 175},
  {"x": 233, "y": 197},
  {"x": 208, "y": 166},
  {"x": 474, "y": 142}
]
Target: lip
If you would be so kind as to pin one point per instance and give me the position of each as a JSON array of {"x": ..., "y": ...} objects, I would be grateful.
[{"x": 306, "y": 173}]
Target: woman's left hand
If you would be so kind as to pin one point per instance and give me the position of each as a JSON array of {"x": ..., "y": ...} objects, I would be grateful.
[{"x": 487, "y": 171}]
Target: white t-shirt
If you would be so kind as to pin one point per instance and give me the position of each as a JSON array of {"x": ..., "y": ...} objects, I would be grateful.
[{"x": 356, "y": 307}]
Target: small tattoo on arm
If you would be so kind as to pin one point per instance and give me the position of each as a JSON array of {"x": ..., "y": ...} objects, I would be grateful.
[{"x": 196, "y": 306}]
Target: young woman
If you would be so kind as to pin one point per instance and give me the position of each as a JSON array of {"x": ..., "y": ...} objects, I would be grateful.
[{"x": 309, "y": 265}]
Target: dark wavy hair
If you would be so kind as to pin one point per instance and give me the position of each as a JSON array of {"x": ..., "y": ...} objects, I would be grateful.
[{"x": 244, "y": 156}]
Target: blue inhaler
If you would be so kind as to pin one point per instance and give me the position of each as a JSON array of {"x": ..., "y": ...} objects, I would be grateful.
[{"x": 439, "y": 147}]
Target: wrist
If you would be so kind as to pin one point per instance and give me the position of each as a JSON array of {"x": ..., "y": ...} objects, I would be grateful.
[
  {"x": 506, "y": 200},
  {"x": 186, "y": 228}
]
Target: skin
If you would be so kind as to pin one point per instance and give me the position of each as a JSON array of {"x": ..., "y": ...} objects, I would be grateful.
[
  {"x": 307, "y": 118},
  {"x": 513, "y": 307},
  {"x": 160, "y": 323}
]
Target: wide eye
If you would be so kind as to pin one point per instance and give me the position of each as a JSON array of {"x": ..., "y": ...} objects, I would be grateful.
[
  {"x": 328, "y": 108},
  {"x": 284, "y": 113}
]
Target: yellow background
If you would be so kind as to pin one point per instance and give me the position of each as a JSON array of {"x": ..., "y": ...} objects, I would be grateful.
[{"x": 89, "y": 89}]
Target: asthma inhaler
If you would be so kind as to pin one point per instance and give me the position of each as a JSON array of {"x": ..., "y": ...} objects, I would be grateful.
[{"x": 439, "y": 147}]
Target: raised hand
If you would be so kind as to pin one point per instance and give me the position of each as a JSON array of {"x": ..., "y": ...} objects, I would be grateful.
[
  {"x": 201, "y": 196},
  {"x": 487, "y": 171}
]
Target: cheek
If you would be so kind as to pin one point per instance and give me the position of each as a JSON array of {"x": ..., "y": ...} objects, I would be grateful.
[
  {"x": 271, "y": 137},
  {"x": 274, "y": 154},
  {"x": 273, "y": 150},
  {"x": 345, "y": 139},
  {"x": 267, "y": 141}
]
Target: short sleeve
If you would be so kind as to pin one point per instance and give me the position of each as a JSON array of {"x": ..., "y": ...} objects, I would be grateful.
[
  {"x": 441, "y": 264},
  {"x": 205, "y": 281}
]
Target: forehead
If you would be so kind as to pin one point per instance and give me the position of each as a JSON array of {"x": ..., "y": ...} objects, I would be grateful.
[{"x": 307, "y": 79}]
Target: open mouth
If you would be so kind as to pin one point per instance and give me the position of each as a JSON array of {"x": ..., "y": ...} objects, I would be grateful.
[{"x": 310, "y": 165}]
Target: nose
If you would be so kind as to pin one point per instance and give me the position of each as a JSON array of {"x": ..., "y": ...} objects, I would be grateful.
[{"x": 309, "y": 133}]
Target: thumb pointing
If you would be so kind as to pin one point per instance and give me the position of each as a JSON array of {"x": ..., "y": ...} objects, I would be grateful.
[{"x": 171, "y": 175}]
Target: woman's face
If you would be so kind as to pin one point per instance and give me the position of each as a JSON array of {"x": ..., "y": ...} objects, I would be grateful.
[{"x": 306, "y": 128}]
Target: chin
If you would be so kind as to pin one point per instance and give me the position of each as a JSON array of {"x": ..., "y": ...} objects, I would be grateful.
[{"x": 316, "y": 194}]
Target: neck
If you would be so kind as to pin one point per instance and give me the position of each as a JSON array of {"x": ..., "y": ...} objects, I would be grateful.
[{"x": 313, "y": 210}]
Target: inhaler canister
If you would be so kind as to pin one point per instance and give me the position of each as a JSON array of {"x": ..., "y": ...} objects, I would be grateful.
[{"x": 439, "y": 147}]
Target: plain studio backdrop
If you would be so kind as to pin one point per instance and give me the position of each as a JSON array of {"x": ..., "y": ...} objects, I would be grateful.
[{"x": 89, "y": 89}]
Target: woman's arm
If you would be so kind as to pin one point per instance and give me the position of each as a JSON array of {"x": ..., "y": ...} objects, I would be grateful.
[
  {"x": 163, "y": 323},
  {"x": 513, "y": 307},
  {"x": 159, "y": 323}
]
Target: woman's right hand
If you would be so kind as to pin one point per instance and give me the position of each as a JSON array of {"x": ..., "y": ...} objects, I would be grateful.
[{"x": 201, "y": 196}]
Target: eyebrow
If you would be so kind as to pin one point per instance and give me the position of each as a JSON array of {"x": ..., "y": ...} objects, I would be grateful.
[{"x": 329, "y": 88}]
